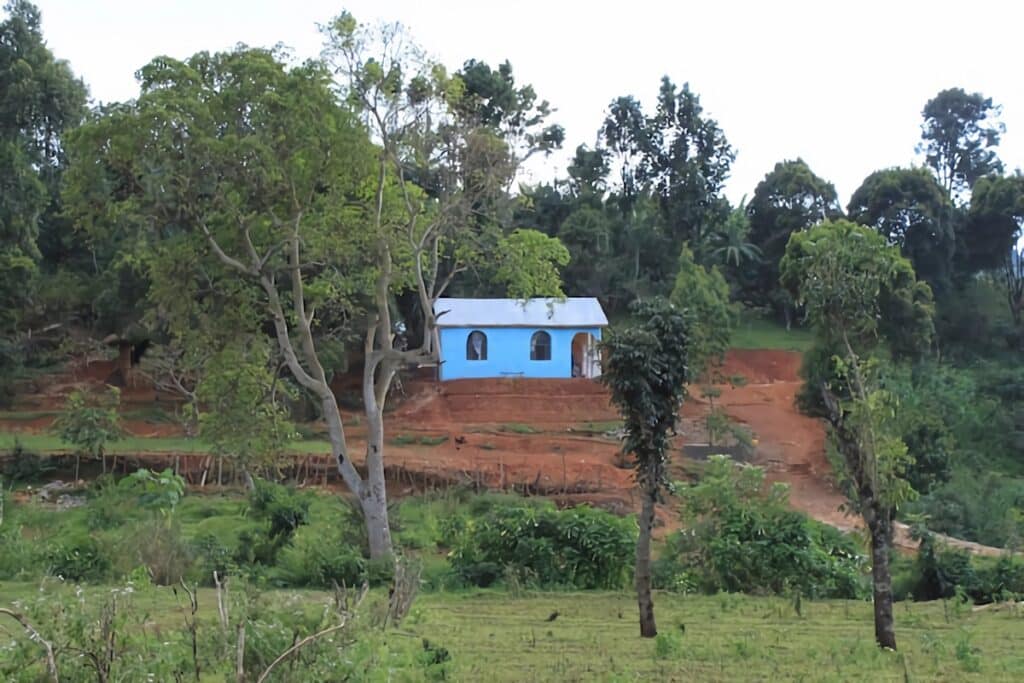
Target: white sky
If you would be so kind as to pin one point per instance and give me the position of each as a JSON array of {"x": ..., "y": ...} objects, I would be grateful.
[{"x": 841, "y": 84}]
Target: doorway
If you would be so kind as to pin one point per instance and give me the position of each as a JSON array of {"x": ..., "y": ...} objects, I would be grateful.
[{"x": 586, "y": 358}]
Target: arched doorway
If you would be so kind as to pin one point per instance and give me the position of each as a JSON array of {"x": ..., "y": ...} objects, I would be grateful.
[{"x": 586, "y": 358}]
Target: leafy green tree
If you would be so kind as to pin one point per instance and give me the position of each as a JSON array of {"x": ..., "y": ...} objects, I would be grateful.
[
  {"x": 678, "y": 155},
  {"x": 704, "y": 295},
  {"x": 529, "y": 262},
  {"x": 260, "y": 216},
  {"x": 846, "y": 275},
  {"x": 242, "y": 414},
  {"x": 995, "y": 225},
  {"x": 647, "y": 370},
  {"x": 958, "y": 138},
  {"x": 427, "y": 236},
  {"x": 90, "y": 422},
  {"x": 490, "y": 98},
  {"x": 791, "y": 198},
  {"x": 587, "y": 233},
  {"x": 41, "y": 100},
  {"x": 909, "y": 209}
]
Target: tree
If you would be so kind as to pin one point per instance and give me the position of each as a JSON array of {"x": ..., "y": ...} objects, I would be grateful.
[
  {"x": 958, "y": 138},
  {"x": 89, "y": 422},
  {"x": 995, "y": 225},
  {"x": 457, "y": 141},
  {"x": 678, "y": 154},
  {"x": 243, "y": 416},
  {"x": 909, "y": 209},
  {"x": 258, "y": 212},
  {"x": 847, "y": 277},
  {"x": 704, "y": 296},
  {"x": 729, "y": 245},
  {"x": 490, "y": 98},
  {"x": 791, "y": 198},
  {"x": 41, "y": 100},
  {"x": 647, "y": 370}
]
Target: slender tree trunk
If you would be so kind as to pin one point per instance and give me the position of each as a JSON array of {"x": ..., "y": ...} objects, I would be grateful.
[
  {"x": 881, "y": 578},
  {"x": 374, "y": 499},
  {"x": 648, "y": 629}
]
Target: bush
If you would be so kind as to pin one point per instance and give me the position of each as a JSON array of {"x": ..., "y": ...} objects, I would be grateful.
[
  {"x": 77, "y": 558},
  {"x": 941, "y": 572},
  {"x": 283, "y": 507},
  {"x": 282, "y": 510},
  {"x": 581, "y": 547},
  {"x": 210, "y": 556},
  {"x": 159, "y": 547},
  {"x": 317, "y": 560},
  {"x": 23, "y": 466},
  {"x": 741, "y": 537}
]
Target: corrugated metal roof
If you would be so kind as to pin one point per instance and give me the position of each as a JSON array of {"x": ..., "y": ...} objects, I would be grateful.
[{"x": 571, "y": 312}]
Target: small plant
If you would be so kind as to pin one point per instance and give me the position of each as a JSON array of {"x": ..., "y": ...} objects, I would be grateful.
[
  {"x": 668, "y": 645},
  {"x": 403, "y": 440},
  {"x": 966, "y": 653}
]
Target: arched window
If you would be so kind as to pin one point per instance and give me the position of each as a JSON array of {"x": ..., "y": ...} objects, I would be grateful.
[
  {"x": 476, "y": 346},
  {"x": 540, "y": 346}
]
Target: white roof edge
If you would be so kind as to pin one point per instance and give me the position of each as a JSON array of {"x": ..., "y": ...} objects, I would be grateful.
[{"x": 539, "y": 312}]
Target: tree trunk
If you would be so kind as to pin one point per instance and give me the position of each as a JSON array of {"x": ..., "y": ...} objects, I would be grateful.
[
  {"x": 648, "y": 629},
  {"x": 374, "y": 500},
  {"x": 881, "y": 578}
]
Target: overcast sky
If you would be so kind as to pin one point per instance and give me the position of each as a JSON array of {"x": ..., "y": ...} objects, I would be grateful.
[{"x": 841, "y": 84}]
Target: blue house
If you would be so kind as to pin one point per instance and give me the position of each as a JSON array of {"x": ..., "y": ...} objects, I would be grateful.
[{"x": 512, "y": 338}]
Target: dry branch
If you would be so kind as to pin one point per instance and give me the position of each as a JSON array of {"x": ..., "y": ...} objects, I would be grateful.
[{"x": 34, "y": 635}]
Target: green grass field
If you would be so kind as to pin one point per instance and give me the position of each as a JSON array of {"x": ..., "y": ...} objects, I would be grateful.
[
  {"x": 755, "y": 332},
  {"x": 494, "y": 636}
]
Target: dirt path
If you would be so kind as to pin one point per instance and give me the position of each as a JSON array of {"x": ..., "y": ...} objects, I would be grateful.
[{"x": 791, "y": 446}]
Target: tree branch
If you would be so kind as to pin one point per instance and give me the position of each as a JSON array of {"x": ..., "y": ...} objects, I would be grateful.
[{"x": 34, "y": 635}]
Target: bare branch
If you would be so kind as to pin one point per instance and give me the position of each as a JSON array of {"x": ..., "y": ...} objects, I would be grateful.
[
  {"x": 309, "y": 639},
  {"x": 33, "y": 634}
]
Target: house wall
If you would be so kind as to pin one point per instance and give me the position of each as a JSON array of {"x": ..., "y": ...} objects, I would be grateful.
[{"x": 508, "y": 352}]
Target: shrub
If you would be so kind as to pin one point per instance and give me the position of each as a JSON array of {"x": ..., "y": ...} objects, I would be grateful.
[
  {"x": 159, "y": 547},
  {"x": 25, "y": 466},
  {"x": 581, "y": 547},
  {"x": 210, "y": 556},
  {"x": 77, "y": 558},
  {"x": 741, "y": 537},
  {"x": 282, "y": 510},
  {"x": 283, "y": 507},
  {"x": 942, "y": 572},
  {"x": 316, "y": 560}
]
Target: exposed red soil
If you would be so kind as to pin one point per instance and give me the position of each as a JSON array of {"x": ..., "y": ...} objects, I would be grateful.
[{"x": 480, "y": 418}]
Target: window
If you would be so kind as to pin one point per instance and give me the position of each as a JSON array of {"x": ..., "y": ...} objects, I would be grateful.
[
  {"x": 476, "y": 346},
  {"x": 540, "y": 346}
]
